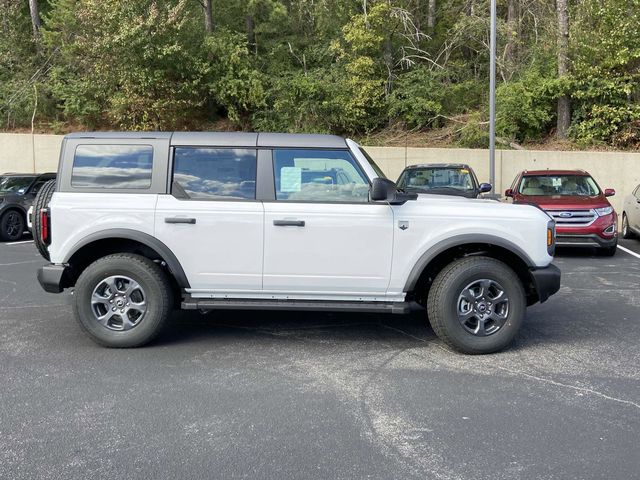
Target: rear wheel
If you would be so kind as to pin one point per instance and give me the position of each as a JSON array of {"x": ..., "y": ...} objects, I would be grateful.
[
  {"x": 476, "y": 305},
  {"x": 11, "y": 226},
  {"x": 626, "y": 231},
  {"x": 123, "y": 300},
  {"x": 42, "y": 201}
]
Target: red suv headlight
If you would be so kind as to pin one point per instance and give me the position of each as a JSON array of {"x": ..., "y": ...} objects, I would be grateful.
[{"x": 603, "y": 211}]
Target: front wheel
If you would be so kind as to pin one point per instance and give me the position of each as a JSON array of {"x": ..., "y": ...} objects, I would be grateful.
[
  {"x": 476, "y": 305},
  {"x": 122, "y": 300}
]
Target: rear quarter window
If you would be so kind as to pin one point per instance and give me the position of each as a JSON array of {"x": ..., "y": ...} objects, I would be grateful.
[{"x": 112, "y": 166}]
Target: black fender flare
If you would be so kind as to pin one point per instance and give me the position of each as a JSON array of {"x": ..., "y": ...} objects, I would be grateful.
[
  {"x": 459, "y": 240},
  {"x": 152, "y": 242}
]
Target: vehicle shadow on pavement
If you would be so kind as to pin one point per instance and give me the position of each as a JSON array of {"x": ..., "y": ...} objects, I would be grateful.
[
  {"x": 587, "y": 252},
  {"x": 335, "y": 330},
  {"x": 189, "y": 327}
]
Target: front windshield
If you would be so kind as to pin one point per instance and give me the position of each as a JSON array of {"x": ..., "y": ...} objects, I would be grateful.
[
  {"x": 13, "y": 184},
  {"x": 566, "y": 185},
  {"x": 375, "y": 167},
  {"x": 433, "y": 178}
]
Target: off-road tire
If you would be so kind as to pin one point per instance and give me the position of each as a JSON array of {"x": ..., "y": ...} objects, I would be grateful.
[
  {"x": 42, "y": 201},
  {"x": 148, "y": 275},
  {"x": 442, "y": 304},
  {"x": 17, "y": 219}
]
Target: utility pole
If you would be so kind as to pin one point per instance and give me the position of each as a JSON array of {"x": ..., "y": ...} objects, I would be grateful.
[{"x": 492, "y": 99}]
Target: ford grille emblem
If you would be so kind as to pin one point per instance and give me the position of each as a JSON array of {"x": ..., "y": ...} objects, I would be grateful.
[{"x": 566, "y": 215}]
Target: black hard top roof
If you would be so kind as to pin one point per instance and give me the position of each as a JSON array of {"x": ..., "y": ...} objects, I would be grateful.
[{"x": 227, "y": 139}]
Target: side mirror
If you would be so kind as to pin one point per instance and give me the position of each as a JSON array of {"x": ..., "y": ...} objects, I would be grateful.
[
  {"x": 609, "y": 192},
  {"x": 508, "y": 192},
  {"x": 384, "y": 190},
  {"x": 485, "y": 187},
  {"x": 21, "y": 191}
]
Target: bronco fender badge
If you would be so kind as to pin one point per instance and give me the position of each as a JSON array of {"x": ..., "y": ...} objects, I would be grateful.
[{"x": 403, "y": 224}]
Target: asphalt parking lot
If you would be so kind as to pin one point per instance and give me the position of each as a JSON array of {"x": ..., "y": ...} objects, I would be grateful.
[{"x": 299, "y": 395}]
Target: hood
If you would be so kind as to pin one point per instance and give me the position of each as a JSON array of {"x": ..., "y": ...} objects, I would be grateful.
[
  {"x": 565, "y": 202},
  {"x": 476, "y": 207}
]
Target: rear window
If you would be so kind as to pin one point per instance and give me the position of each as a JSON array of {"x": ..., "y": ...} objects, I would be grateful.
[{"x": 112, "y": 166}]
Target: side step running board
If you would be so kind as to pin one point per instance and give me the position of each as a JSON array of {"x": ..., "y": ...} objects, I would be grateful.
[{"x": 190, "y": 303}]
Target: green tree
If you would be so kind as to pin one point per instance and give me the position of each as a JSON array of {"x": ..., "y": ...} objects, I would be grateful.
[{"x": 129, "y": 64}]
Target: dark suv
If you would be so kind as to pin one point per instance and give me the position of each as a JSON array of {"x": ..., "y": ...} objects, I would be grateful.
[
  {"x": 584, "y": 217},
  {"x": 17, "y": 193},
  {"x": 456, "y": 179}
]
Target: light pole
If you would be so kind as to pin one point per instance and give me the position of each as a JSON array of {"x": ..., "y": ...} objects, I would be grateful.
[{"x": 492, "y": 99}]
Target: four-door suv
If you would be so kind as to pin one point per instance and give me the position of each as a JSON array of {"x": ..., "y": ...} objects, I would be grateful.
[
  {"x": 17, "y": 193},
  {"x": 584, "y": 217},
  {"x": 141, "y": 222},
  {"x": 443, "y": 179}
]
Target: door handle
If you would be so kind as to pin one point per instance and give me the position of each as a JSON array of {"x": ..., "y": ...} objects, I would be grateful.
[
  {"x": 190, "y": 221},
  {"x": 288, "y": 223}
]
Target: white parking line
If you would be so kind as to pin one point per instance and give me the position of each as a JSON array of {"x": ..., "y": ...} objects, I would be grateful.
[
  {"x": 630, "y": 252},
  {"x": 18, "y": 243}
]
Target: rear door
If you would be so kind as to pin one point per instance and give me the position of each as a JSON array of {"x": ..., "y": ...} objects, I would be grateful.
[
  {"x": 212, "y": 221},
  {"x": 323, "y": 238}
]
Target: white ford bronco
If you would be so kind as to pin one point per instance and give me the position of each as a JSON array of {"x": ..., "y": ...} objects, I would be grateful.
[{"x": 139, "y": 223}]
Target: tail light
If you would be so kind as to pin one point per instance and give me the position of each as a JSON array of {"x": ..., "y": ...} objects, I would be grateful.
[{"x": 45, "y": 231}]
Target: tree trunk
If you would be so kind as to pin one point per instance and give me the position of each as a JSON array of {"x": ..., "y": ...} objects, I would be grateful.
[
  {"x": 513, "y": 32},
  {"x": 208, "y": 16},
  {"x": 431, "y": 15},
  {"x": 564, "y": 103},
  {"x": 251, "y": 34},
  {"x": 388, "y": 60},
  {"x": 35, "y": 18}
]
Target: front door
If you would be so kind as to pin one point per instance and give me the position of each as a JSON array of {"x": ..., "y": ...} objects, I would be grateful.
[
  {"x": 323, "y": 238},
  {"x": 212, "y": 221}
]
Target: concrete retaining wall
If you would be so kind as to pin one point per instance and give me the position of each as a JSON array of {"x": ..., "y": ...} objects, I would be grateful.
[{"x": 619, "y": 170}]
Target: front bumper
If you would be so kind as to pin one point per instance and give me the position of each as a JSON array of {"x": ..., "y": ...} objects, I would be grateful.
[
  {"x": 52, "y": 277},
  {"x": 585, "y": 240},
  {"x": 546, "y": 281}
]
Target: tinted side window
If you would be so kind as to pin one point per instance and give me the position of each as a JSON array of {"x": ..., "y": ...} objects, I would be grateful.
[
  {"x": 319, "y": 176},
  {"x": 215, "y": 173},
  {"x": 112, "y": 166}
]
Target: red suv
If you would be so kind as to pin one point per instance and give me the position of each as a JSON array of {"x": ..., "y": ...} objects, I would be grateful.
[{"x": 584, "y": 217}]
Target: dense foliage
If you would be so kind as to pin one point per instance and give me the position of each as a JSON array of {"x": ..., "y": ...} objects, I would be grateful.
[{"x": 346, "y": 66}]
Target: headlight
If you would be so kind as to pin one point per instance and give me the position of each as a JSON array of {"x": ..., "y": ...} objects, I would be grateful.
[{"x": 604, "y": 211}]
